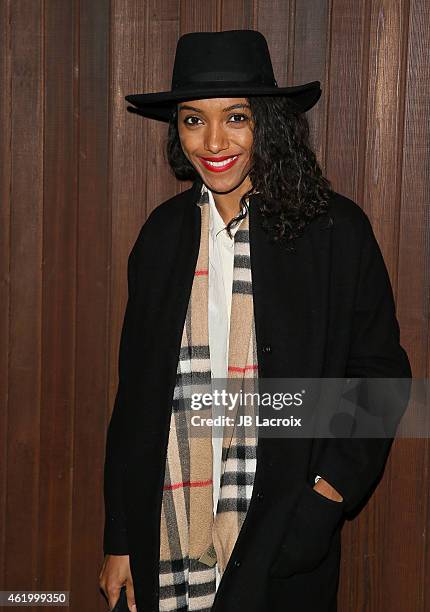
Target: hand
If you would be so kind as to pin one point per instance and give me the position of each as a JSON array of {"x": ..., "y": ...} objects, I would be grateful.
[
  {"x": 308, "y": 535},
  {"x": 114, "y": 574},
  {"x": 323, "y": 487}
]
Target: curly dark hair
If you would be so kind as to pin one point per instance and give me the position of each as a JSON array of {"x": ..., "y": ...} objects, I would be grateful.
[{"x": 284, "y": 168}]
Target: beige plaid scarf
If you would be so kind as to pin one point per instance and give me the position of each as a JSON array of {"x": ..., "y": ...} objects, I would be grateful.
[{"x": 192, "y": 540}]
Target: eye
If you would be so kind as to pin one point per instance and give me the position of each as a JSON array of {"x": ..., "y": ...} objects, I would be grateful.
[
  {"x": 244, "y": 117},
  {"x": 187, "y": 122}
]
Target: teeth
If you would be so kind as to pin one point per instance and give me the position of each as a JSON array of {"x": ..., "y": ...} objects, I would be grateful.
[{"x": 221, "y": 163}]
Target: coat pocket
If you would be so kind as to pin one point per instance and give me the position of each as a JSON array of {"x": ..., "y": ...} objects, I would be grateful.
[{"x": 307, "y": 538}]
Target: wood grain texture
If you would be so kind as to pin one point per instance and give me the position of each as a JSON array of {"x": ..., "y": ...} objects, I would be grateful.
[
  {"x": 25, "y": 305},
  {"x": 127, "y": 170},
  {"x": 346, "y": 96},
  {"x": 193, "y": 19},
  {"x": 79, "y": 176},
  {"x": 276, "y": 32},
  {"x": 237, "y": 14},
  {"x": 384, "y": 121},
  {"x": 413, "y": 285},
  {"x": 410, "y": 486},
  {"x": 5, "y": 197},
  {"x": 92, "y": 302},
  {"x": 59, "y": 247},
  {"x": 162, "y": 35},
  {"x": 5, "y": 188},
  {"x": 311, "y": 61}
]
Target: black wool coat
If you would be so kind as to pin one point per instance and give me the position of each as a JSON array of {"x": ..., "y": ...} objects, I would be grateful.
[{"x": 325, "y": 310}]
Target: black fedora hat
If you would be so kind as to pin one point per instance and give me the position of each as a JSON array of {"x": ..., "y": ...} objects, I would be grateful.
[{"x": 234, "y": 63}]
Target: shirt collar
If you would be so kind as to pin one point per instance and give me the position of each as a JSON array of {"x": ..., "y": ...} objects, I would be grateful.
[{"x": 216, "y": 222}]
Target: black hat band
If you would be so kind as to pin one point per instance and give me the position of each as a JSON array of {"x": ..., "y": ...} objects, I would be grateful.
[{"x": 209, "y": 78}]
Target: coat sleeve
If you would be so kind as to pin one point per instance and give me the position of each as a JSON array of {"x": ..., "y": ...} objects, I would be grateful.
[
  {"x": 352, "y": 465},
  {"x": 115, "y": 530}
]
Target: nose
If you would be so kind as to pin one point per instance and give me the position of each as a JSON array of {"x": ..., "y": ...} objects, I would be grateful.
[{"x": 215, "y": 138}]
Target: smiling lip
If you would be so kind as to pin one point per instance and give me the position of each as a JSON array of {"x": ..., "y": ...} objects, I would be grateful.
[{"x": 220, "y": 167}]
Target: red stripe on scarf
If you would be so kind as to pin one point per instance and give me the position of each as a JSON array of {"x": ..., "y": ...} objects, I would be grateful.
[
  {"x": 196, "y": 483},
  {"x": 237, "y": 369},
  {"x": 201, "y": 273}
]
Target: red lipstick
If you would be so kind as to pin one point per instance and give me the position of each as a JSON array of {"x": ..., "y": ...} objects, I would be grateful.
[{"x": 214, "y": 164}]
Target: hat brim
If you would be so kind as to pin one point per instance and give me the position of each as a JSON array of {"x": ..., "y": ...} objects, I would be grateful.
[{"x": 159, "y": 106}]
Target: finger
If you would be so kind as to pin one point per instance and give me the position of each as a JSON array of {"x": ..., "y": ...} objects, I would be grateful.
[
  {"x": 113, "y": 594},
  {"x": 102, "y": 586},
  {"x": 130, "y": 597}
]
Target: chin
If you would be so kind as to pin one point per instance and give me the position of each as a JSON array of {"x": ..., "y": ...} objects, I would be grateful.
[{"x": 221, "y": 185}]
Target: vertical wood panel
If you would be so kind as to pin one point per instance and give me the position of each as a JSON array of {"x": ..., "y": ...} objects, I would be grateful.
[
  {"x": 22, "y": 507},
  {"x": 276, "y": 33},
  {"x": 129, "y": 27},
  {"x": 414, "y": 244},
  {"x": 193, "y": 19},
  {"x": 311, "y": 63},
  {"x": 384, "y": 146},
  {"x": 348, "y": 73},
  {"x": 237, "y": 15},
  {"x": 92, "y": 302},
  {"x": 5, "y": 196},
  {"x": 59, "y": 295},
  {"x": 160, "y": 41}
]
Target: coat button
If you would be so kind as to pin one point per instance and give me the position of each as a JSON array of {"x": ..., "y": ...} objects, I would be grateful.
[
  {"x": 237, "y": 563},
  {"x": 267, "y": 349},
  {"x": 260, "y": 495}
]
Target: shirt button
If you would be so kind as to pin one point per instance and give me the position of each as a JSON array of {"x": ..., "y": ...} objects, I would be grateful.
[{"x": 267, "y": 349}]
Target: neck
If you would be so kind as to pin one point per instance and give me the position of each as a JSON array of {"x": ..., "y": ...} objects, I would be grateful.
[{"x": 228, "y": 204}]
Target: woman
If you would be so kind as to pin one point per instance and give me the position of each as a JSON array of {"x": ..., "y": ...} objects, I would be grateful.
[{"x": 258, "y": 271}]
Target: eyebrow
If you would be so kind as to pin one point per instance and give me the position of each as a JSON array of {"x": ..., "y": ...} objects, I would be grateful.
[{"x": 224, "y": 110}]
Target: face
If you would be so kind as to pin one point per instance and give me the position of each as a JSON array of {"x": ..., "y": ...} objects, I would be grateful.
[{"x": 216, "y": 136}]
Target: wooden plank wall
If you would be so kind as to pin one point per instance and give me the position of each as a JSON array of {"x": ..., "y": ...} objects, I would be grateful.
[{"x": 78, "y": 177}]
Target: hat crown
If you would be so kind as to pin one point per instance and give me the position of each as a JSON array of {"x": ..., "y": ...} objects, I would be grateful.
[
  {"x": 219, "y": 58},
  {"x": 229, "y": 64}
]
